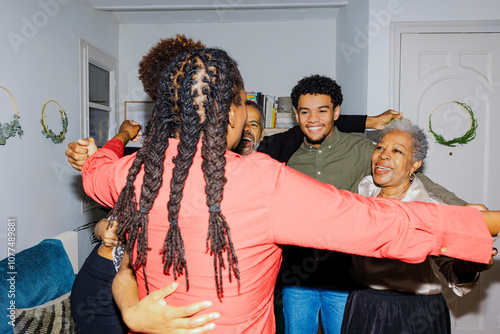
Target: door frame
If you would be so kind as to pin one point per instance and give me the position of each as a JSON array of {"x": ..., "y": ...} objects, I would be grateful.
[{"x": 427, "y": 27}]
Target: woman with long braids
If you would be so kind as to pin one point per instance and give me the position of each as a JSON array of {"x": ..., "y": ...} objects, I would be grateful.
[
  {"x": 93, "y": 308},
  {"x": 191, "y": 210}
]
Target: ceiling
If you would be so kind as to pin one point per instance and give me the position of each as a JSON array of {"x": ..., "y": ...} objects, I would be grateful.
[{"x": 206, "y": 11}]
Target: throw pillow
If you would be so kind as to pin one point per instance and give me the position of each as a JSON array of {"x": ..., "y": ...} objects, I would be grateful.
[{"x": 53, "y": 317}]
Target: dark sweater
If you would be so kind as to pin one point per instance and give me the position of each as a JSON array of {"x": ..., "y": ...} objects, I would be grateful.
[{"x": 281, "y": 146}]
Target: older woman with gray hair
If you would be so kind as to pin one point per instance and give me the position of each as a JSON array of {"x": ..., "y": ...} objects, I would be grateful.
[{"x": 398, "y": 297}]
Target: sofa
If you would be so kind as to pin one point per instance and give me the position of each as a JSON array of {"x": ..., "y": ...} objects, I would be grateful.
[{"x": 39, "y": 281}]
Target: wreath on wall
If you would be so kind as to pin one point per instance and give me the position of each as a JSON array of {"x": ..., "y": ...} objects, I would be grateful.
[
  {"x": 9, "y": 129},
  {"x": 464, "y": 139},
  {"x": 48, "y": 133}
]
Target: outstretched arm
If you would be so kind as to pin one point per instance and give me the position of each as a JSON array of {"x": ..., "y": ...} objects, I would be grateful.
[
  {"x": 358, "y": 123},
  {"x": 351, "y": 123},
  {"x": 465, "y": 270},
  {"x": 462, "y": 276},
  {"x": 78, "y": 152},
  {"x": 281, "y": 146},
  {"x": 152, "y": 314},
  {"x": 377, "y": 227}
]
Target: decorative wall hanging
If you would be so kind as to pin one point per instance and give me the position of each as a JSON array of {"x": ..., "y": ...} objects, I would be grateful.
[
  {"x": 8, "y": 130},
  {"x": 467, "y": 137},
  {"x": 57, "y": 139}
]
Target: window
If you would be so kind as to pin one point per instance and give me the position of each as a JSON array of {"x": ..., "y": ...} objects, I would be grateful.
[
  {"x": 98, "y": 90},
  {"x": 98, "y": 105}
]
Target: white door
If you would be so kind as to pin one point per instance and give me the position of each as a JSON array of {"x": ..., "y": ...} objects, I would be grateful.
[{"x": 435, "y": 70}]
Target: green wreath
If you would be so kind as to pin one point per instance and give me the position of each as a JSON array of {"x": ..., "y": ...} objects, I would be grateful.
[
  {"x": 467, "y": 137},
  {"x": 48, "y": 133},
  {"x": 9, "y": 129}
]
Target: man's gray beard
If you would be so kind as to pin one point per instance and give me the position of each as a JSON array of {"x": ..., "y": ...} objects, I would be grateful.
[{"x": 255, "y": 147}]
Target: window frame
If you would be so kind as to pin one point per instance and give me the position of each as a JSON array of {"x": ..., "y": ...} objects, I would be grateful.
[{"x": 89, "y": 54}]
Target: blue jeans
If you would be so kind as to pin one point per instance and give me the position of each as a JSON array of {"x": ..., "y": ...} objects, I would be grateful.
[{"x": 301, "y": 307}]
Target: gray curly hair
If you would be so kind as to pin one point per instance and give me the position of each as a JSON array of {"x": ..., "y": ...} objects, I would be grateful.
[{"x": 420, "y": 144}]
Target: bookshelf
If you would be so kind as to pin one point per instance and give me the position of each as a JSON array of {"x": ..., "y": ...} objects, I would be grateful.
[{"x": 275, "y": 121}]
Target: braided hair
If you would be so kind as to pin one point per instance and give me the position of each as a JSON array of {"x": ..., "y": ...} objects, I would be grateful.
[
  {"x": 159, "y": 56},
  {"x": 194, "y": 97}
]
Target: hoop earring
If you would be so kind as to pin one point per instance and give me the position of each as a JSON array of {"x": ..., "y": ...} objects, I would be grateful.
[{"x": 412, "y": 177}]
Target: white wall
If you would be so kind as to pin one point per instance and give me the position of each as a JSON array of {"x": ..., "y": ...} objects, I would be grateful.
[
  {"x": 352, "y": 56},
  {"x": 383, "y": 12},
  {"x": 38, "y": 188},
  {"x": 272, "y": 56}
]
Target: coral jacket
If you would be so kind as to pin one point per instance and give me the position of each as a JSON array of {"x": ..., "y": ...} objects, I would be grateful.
[{"x": 267, "y": 204}]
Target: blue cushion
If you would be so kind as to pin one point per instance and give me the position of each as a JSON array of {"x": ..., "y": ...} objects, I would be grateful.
[{"x": 42, "y": 273}]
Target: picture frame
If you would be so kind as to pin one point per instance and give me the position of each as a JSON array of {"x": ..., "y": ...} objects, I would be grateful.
[
  {"x": 88, "y": 203},
  {"x": 140, "y": 112}
]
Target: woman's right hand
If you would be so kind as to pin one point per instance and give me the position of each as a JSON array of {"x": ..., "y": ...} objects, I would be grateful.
[
  {"x": 78, "y": 152},
  {"x": 153, "y": 315}
]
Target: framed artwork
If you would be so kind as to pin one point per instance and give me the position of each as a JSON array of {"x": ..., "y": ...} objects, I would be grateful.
[{"x": 140, "y": 112}]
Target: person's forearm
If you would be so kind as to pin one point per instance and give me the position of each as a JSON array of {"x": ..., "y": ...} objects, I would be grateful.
[
  {"x": 123, "y": 137},
  {"x": 351, "y": 123},
  {"x": 97, "y": 170},
  {"x": 463, "y": 275},
  {"x": 128, "y": 131},
  {"x": 124, "y": 286},
  {"x": 371, "y": 122}
]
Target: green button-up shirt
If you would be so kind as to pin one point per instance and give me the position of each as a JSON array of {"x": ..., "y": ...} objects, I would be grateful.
[{"x": 342, "y": 160}]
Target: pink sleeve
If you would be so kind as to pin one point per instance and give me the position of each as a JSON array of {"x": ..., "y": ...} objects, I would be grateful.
[
  {"x": 309, "y": 213},
  {"x": 98, "y": 170}
]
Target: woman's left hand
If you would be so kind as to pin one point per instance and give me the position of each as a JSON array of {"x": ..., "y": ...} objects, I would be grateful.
[
  {"x": 106, "y": 235},
  {"x": 152, "y": 314}
]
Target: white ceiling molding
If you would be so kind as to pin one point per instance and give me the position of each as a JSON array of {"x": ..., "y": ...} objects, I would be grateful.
[{"x": 189, "y": 11}]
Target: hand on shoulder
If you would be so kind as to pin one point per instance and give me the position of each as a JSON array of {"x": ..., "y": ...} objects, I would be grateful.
[{"x": 379, "y": 122}]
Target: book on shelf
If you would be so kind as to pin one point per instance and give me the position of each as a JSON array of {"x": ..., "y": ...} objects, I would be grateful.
[
  {"x": 268, "y": 104},
  {"x": 252, "y": 96}
]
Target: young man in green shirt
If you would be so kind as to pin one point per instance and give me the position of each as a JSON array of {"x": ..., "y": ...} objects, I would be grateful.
[{"x": 316, "y": 281}]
